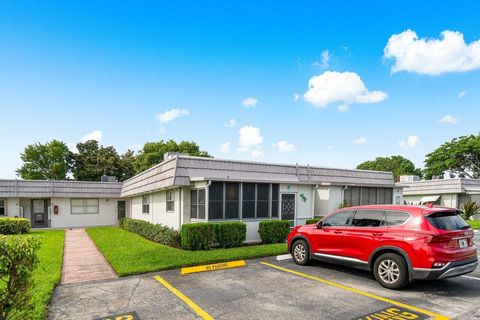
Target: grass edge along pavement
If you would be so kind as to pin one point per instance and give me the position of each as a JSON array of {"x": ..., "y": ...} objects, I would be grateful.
[
  {"x": 475, "y": 224},
  {"x": 129, "y": 253},
  {"x": 48, "y": 271}
]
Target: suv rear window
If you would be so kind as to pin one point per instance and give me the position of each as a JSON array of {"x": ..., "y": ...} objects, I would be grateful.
[{"x": 447, "y": 221}]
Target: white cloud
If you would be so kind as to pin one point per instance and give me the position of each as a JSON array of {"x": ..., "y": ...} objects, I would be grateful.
[
  {"x": 462, "y": 93},
  {"x": 171, "y": 114},
  {"x": 94, "y": 135},
  {"x": 410, "y": 142},
  {"x": 296, "y": 97},
  {"x": 249, "y": 137},
  {"x": 284, "y": 146},
  {"x": 225, "y": 147},
  {"x": 340, "y": 87},
  {"x": 250, "y": 102},
  {"x": 343, "y": 108},
  {"x": 450, "y": 53},
  {"x": 325, "y": 62},
  {"x": 448, "y": 119},
  {"x": 256, "y": 153},
  {"x": 231, "y": 123},
  {"x": 360, "y": 140}
]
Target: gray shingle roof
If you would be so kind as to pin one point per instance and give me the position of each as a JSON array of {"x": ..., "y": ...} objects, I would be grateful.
[
  {"x": 182, "y": 170},
  {"x": 60, "y": 189},
  {"x": 439, "y": 186}
]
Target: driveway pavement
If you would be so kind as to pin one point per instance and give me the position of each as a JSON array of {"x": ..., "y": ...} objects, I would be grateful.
[{"x": 263, "y": 291}]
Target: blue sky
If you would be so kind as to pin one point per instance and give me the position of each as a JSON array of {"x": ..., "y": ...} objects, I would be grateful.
[{"x": 115, "y": 70}]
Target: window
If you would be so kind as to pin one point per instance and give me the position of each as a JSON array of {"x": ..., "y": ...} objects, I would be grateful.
[
  {"x": 338, "y": 219},
  {"x": 369, "y": 218},
  {"x": 367, "y": 195},
  {"x": 447, "y": 221},
  {"x": 171, "y": 200},
  {"x": 84, "y": 206},
  {"x": 395, "y": 218},
  {"x": 275, "y": 195},
  {"x": 2, "y": 207},
  {"x": 215, "y": 201},
  {"x": 197, "y": 204},
  {"x": 232, "y": 200},
  {"x": 263, "y": 195},
  {"x": 248, "y": 201},
  {"x": 146, "y": 204}
]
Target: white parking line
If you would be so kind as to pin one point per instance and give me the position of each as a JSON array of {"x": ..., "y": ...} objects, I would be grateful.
[
  {"x": 284, "y": 257},
  {"x": 469, "y": 277}
]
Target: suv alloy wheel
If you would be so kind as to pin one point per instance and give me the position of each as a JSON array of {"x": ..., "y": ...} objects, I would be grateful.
[
  {"x": 300, "y": 252},
  {"x": 391, "y": 271}
]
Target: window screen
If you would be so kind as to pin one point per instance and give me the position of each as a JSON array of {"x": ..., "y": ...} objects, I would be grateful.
[
  {"x": 248, "y": 201},
  {"x": 368, "y": 218},
  {"x": 275, "y": 195},
  {"x": 215, "y": 200},
  {"x": 263, "y": 192},
  {"x": 2, "y": 207},
  {"x": 170, "y": 200},
  {"x": 232, "y": 197}
]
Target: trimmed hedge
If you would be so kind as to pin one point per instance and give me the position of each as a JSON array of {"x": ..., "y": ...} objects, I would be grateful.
[
  {"x": 230, "y": 234},
  {"x": 14, "y": 225},
  {"x": 274, "y": 231},
  {"x": 313, "y": 220},
  {"x": 155, "y": 232},
  {"x": 198, "y": 236},
  {"x": 18, "y": 259},
  {"x": 206, "y": 235}
]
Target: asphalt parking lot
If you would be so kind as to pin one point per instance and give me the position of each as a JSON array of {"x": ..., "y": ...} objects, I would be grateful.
[{"x": 268, "y": 289}]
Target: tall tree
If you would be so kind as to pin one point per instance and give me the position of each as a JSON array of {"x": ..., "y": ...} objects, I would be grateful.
[
  {"x": 127, "y": 165},
  {"x": 152, "y": 152},
  {"x": 459, "y": 157},
  {"x": 51, "y": 160},
  {"x": 92, "y": 161},
  {"x": 398, "y": 165}
]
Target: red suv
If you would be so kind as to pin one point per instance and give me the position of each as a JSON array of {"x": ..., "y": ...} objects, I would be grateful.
[{"x": 398, "y": 243}]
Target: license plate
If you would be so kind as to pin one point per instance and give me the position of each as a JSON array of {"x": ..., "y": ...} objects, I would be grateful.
[{"x": 463, "y": 243}]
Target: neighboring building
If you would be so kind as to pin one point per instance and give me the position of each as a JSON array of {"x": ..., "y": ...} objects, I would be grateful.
[
  {"x": 59, "y": 204},
  {"x": 451, "y": 193},
  {"x": 185, "y": 189}
]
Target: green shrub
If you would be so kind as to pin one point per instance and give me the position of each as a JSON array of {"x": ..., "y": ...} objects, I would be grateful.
[
  {"x": 313, "y": 220},
  {"x": 18, "y": 258},
  {"x": 344, "y": 204},
  {"x": 14, "y": 226},
  {"x": 197, "y": 236},
  {"x": 274, "y": 231},
  {"x": 468, "y": 209},
  {"x": 154, "y": 232},
  {"x": 230, "y": 234}
]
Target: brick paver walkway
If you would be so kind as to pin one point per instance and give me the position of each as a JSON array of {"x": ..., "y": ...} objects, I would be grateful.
[{"x": 81, "y": 259}]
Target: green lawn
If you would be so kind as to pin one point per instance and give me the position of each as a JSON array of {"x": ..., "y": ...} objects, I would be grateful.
[
  {"x": 474, "y": 223},
  {"x": 49, "y": 270},
  {"x": 129, "y": 253}
]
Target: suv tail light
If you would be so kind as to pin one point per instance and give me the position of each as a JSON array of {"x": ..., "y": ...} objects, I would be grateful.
[{"x": 444, "y": 241}]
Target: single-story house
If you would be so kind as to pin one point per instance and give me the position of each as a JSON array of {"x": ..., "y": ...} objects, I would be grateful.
[
  {"x": 59, "y": 204},
  {"x": 451, "y": 193},
  {"x": 184, "y": 189}
]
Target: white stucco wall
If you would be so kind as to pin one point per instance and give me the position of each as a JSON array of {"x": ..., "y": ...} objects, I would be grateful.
[
  {"x": 158, "y": 209},
  {"x": 107, "y": 215},
  {"x": 12, "y": 207},
  {"x": 327, "y": 199},
  {"x": 303, "y": 200}
]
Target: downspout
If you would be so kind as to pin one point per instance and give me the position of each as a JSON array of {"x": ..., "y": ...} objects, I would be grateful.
[
  {"x": 343, "y": 194},
  {"x": 313, "y": 201},
  {"x": 180, "y": 204}
]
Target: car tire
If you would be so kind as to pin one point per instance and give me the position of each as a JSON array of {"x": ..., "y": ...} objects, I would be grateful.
[
  {"x": 300, "y": 252},
  {"x": 391, "y": 271}
]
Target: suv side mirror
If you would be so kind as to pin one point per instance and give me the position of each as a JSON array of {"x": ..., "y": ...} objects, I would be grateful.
[{"x": 319, "y": 224}]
